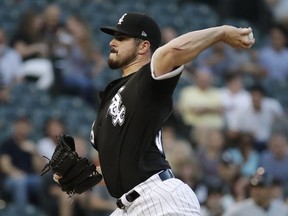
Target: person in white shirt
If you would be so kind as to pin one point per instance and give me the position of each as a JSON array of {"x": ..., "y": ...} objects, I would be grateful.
[
  {"x": 10, "y": 67},
  {"x": 273, "y": 57},
  {"x": 10, "y": 61},
  {"x": 258, "y": 118},
  {"x": 52, "y": 128},
  {"x": 235, "y": 98}
]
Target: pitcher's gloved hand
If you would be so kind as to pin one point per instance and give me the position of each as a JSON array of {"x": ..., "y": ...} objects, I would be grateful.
[{"x": 77, "y": 173}]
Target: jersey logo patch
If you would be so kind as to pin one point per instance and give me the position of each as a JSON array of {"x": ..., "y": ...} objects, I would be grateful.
[{"x": 116, "y": 109}]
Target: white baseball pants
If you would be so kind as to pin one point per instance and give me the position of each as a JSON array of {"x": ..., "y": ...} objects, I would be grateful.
[{"x": 162, "y": 198}]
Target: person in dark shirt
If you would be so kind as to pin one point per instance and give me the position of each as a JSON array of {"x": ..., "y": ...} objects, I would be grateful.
[
  {"x": 27, "y": 38},
  {"x": 20, "y": 165}
]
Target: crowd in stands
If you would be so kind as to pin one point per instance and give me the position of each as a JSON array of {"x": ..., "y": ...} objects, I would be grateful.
[{"x": 230, "y": 106}]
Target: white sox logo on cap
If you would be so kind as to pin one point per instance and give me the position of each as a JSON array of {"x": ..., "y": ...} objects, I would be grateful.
[
  {"x": 137, "y": 25},
  {"x": 121, "y": 19}
]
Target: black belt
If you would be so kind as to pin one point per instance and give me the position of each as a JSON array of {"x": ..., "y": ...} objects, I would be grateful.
[{"x": 133, "y": 195}]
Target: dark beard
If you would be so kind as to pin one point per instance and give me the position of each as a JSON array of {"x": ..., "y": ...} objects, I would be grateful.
[
  {"x": 120, "y": 64},
  {"x": 113, "y": 64}
]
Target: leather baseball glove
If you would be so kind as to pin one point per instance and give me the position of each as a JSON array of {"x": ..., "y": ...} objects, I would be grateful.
[{"x": 77, "y": 173}]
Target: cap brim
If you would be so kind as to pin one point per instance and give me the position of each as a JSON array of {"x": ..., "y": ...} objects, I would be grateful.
[{"x": 112, "y": 30}]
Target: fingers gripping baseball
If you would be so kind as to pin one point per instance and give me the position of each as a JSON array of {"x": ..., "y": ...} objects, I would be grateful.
[
  {"x": 238, "y": 37},
  {"x": 74, "y": 174}
]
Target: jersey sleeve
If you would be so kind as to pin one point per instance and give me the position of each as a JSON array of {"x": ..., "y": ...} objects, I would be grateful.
[{"x": 168, "y": 75}]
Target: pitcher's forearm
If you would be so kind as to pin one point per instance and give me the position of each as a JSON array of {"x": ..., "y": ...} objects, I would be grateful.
[{"x": 187, "y": 47}]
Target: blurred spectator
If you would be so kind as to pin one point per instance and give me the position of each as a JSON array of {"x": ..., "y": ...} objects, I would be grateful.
[
  {"x": 54, "y": 198},
  {"x": 213, "y": 205},
  {"x": 244, "y": 154},
  {"x": 201, "y": 106},
  {"x": 279, "y": 10},
  {"x": 228, "y": 169},
  {"x": 275, "y": 159},
  {"x": 258, "y": 118},
  {"x": 27, "y": 38},
  {"x": 273, "y": 57},
  {"x": 237, "y": 193},
  {"x": 246, "y": 63},
  {"x": 10, "y": 67},
  {"x": 55, "y": 35},
  {"x": 28, "y": 41},
  {"x": 235, "y": 98},
  {"x": 51, "y": 26},
  {"x": 218, "y": 58},
  {"x": 21, "y": 165},
  {"x": 10, "y": 61},
  {"x": 261, "y": 202},
  {"x": 53, "y": 128},
  {"x": 77, "y": 68},
  {"x": 200, "y": 137},
  {"x": 209, "y": 156},
  {"x": 225, "y": 60}
]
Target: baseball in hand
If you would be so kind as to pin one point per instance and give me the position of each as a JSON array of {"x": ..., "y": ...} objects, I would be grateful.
[{"x": 250, "y": 36}]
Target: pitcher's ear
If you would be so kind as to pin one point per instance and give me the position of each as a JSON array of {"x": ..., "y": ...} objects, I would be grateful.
[{"x": 144, "y": 46}]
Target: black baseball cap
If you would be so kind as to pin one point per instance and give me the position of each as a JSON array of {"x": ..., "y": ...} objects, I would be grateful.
[{"x": 138, "y": 25}]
